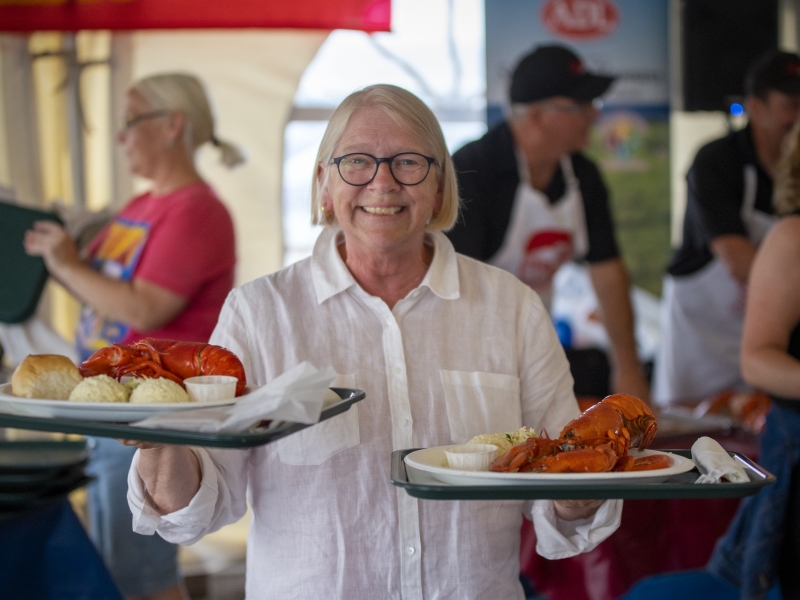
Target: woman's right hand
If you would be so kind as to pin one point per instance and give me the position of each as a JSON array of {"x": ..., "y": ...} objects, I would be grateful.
[{"x": 50, "y": 241}]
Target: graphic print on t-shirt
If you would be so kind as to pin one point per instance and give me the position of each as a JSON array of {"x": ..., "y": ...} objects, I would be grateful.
[
  {"x": 544, "y": 254},
  {"x": 116, "y": 257}
]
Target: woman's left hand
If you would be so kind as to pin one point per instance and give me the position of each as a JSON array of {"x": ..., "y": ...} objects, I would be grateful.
[
  {"x": 50, "y": 241},
  {"x": 572, "y": 510}
]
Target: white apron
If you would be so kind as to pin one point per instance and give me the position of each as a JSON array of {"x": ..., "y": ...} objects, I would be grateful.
[
  {"x": 541, "y": 236},
  {"x": 702, "y": 316}
]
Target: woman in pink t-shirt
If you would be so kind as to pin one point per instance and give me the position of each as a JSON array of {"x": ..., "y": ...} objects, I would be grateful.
[{"x": 161, "y": 268}]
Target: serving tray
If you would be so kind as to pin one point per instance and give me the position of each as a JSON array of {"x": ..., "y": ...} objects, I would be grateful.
[
  {"x": 420, "y": 484},
  {"x": 22, "y": 277},
  {"x": 255, "y": 437},
  {"x": 32, "y": 458},
  {"x": 37, "y": 473}
]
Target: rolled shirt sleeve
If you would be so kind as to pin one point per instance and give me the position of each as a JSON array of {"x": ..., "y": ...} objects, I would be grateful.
[{"x": 216, "y": 504}]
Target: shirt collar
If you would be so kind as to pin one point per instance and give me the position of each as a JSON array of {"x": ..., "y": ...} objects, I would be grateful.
[{"x": 331, "y": 276}]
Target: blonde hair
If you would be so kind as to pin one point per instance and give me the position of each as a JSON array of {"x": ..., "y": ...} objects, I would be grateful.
[
  {"x": 184, "y": 93},
  {"x": 409, "y": 111},
  {"x": 786, "y": 197}
]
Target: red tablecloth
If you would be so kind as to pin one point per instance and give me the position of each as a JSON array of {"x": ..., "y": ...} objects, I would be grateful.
[{"x": 655, "y": 536}]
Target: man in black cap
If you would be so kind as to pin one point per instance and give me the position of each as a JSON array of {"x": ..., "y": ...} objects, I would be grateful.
[
  {"x": 533, "y": 201},
  {"x": 728, "y": 211}
]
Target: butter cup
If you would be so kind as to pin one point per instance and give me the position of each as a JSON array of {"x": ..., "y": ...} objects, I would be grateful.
[
  {"x": 470, "y": 457},
  {"x": 210, "y": 388}
]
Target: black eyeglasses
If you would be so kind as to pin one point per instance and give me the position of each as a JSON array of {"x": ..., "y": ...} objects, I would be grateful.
[
  {"x": 153, "y": 114},
  {"x": 408, "y": 168}
]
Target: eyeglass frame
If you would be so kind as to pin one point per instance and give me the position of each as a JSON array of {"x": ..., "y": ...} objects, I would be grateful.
[
  {"x": 135, "y": 120},
  {"x": 388, "y": 160}
]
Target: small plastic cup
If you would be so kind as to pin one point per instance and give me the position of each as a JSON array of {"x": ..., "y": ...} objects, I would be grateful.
[
  {"x": 470, "y": 457},
  {"x": 211, "y": 388}
]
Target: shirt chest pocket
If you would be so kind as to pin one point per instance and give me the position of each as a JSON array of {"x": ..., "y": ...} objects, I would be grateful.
[
  {"x": 316, "y": 444},
  {"x": 479, "y": 402}
]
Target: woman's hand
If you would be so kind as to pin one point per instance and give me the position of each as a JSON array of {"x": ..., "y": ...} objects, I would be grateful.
[
  {"x": 50, "y": 241},
  {"x": 572, "y": 510}
]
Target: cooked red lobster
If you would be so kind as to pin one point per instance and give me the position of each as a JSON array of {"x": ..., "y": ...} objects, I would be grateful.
[
  {"x": 165, "y": 358},
  {"x": 597, "y": 441}
]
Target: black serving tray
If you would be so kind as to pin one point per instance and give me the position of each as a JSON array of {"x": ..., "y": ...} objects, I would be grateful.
[
  {"x": 41, "y": 483},
  {"x": 37, "y": 473},
  {"x": 677, "y": 486},
  {"x": 22, "y": 277},
  {"x": 34, "y": 459},
  {"x": 246, "y": 439}
]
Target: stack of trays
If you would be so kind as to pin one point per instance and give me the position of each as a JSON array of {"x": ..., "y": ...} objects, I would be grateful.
[{"x": 37, "y": 473}]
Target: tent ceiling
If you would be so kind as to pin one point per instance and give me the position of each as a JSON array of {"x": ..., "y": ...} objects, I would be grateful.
[{"x": 74, "y": 15}]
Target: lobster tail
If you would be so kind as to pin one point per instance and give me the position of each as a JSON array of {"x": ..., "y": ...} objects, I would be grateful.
[
  {"x": 216, "y": 360},
  {"x": 639, "y": 419}
]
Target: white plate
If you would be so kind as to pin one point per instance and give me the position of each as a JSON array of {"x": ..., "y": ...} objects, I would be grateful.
[
  {"x": 432, "y": 460},
  {"x": 117, "y": 412}
]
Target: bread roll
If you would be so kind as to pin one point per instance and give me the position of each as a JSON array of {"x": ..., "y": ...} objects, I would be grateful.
[{"x": 45, "y": 376}]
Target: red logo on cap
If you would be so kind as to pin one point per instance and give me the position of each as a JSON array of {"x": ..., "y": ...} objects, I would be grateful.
[
  {"x": 580, "y": 19},
  {"x": 576, "y": 67}
]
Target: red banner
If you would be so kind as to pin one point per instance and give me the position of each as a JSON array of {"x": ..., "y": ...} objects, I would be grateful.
[{"x": 74, "y": 15}]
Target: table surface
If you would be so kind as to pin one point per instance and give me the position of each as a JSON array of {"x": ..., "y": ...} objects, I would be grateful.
[{"x": 655, "y": 536}]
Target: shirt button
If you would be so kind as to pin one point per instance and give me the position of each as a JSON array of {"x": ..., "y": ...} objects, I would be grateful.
[
  {"x": 398, "y": 370},
  {"x": 405, "y": 421},
  {"x": 410, "y": 550}
]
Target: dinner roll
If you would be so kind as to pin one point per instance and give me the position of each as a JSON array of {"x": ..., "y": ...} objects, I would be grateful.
[{"x": 45, "y": 376}]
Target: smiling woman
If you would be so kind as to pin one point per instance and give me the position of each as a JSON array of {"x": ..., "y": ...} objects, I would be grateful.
[{"x": 445, "y": 348}]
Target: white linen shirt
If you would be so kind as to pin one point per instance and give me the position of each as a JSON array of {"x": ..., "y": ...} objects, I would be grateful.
[{"x": 470, "y": 351}]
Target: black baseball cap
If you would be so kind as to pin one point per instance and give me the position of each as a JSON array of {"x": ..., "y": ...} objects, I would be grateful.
[
  {"x": 555, "y": 71},
  {"x": 775, "y": 70}
]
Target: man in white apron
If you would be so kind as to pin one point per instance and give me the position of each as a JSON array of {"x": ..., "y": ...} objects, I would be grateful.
[
  {"x": 533, "y": 201},
  {"x": 728, "y": 212}
]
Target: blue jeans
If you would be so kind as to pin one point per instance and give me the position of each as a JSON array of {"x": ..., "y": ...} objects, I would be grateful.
[
  {"x": 748, "y": 555},
  {"x": 140, "y": 564}
]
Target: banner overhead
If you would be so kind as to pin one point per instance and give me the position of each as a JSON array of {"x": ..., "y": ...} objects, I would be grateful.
[{"x": 75, "y": 15}]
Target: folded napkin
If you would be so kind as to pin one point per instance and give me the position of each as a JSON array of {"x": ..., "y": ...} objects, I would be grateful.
[
  {"x": 298, "y": 395},
  {"x": 715, "y": 464}
]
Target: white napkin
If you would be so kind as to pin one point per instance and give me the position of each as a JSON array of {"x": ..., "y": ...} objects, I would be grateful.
[
  {"x": 715, "y": 463},
  {"x": 297, "y": 395}
]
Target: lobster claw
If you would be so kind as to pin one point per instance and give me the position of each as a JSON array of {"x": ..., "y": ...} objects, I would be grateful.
[{"x": 523, "y": 453}]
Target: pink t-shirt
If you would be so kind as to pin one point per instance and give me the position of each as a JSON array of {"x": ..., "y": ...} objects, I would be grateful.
[{"x": 182, "y": 241}]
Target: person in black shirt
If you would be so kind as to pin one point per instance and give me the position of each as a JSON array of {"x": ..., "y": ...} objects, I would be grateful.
[
  {"x": 533, "y": 201},
  {"x": 728, "y": 212}
]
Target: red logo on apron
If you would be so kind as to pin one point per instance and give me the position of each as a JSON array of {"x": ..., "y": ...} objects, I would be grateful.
[
  {"x": 580, "y": 19},
  {"x": 545, "y": 252}
]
